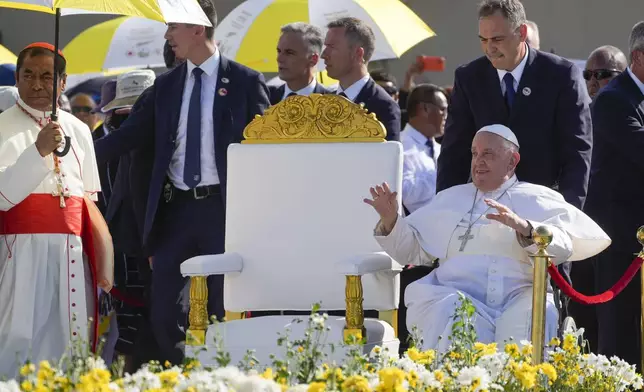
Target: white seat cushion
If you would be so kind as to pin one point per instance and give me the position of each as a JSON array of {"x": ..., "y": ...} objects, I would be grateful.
[{"x": 261, "y": 334}]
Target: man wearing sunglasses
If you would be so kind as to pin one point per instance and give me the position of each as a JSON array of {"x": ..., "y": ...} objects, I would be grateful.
[
  {"x": 603, "y": 64},
  {"x": 83, "y": 108}
]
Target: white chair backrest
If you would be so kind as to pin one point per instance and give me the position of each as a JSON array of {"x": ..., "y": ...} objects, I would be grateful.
[{"x": 294, "y": 210}]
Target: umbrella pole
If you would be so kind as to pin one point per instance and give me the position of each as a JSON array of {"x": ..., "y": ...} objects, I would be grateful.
[{"x": 54, "y": 116}]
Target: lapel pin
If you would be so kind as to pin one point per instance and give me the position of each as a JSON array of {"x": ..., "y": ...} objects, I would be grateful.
[
  {"x": 223, "y": 92},
  {"x": 526, "y": 91},
  {"x": 225, "y": 80}
]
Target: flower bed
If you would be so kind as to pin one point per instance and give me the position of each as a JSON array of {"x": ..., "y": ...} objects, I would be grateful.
[{"x": 467, "y": 366}]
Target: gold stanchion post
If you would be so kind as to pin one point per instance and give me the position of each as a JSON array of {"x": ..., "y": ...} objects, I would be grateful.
[
  {"x": 355, "y": 313},
  {"x": 640, "y": 239},
  {"x": 198, "y": 316},
  {"x": 542, "y": 237}
]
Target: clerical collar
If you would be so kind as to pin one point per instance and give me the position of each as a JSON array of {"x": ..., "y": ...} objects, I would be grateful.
[
  {"x": 36, "y": 113},
  {"x": 505, "y": 186}
]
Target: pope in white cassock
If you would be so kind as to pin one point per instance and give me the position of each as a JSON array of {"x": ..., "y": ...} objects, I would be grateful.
[
  {"x": 46, "y": 290},
  {"x": 480, "y": 233}
]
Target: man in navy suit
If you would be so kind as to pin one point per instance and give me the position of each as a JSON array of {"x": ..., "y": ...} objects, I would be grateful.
[
  {"x": 190, "y": 116},
  {"x": 540, "y": 96},
  {"x": 615, "y": 198},
  {"x": 298, "y": 53},
  {"x": 350, "y": 43}
]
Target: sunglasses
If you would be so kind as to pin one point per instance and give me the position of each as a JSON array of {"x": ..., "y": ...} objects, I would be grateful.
[
  {"x": 81, "y": 109},
  {"x": 600, "y": 74}
]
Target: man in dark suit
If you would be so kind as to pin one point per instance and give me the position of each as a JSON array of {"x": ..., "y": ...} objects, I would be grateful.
[
  {"x": 615, "y": 198},
  {"x": 540, "y": 96},
  {"x": 191, "y": 115},
  {"x": 350, "y": 43},
  {"x": 298, "y": 53}
]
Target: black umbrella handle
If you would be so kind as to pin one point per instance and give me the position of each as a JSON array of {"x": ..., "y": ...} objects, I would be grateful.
[
  {"x": 54, "y": 106},
  {"x": 68, "y": 142}
]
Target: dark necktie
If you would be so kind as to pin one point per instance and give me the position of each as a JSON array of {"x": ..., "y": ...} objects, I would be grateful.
[
  {"x": 342, "y": 94},
  {"x": 292, "y": 93},
  {"x": 192, "y": 167},
  {"x": 430, "y": 147},
  {"x": 508, "y": 79}
]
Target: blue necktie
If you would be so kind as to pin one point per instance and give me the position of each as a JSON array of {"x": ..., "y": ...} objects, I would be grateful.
[
  {"x": 430, "y": 146},
  {"x": 192, "y": 167},
  {"x": 508, "y": 79}
]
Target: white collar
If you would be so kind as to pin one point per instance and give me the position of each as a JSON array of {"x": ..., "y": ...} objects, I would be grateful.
[
  {"x": 415, "y": 135},
  {"x": 209, "y": 67},
  {"x": 518, "y": 70},
  {"x": 352, "y": 91},
  {"x": 504, "y": 187},
  {"x": 36, "y": 113},
  {"x": 638, "y": 82},
  {"x": 306, "y": 91}
]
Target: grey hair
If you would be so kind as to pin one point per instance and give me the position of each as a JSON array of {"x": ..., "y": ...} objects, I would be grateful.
[
  {"x": 533, "y": 34},
  {"x": 509, "y": 146},
  {"x": 311, "y": 35},
  {"x": 636, "y": 40},
  {"x": 512, "y": 10},
  {"x": 611, "y": 56}
]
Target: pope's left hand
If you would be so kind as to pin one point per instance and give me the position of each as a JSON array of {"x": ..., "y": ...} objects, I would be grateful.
[{"x": 508, "y": 218}]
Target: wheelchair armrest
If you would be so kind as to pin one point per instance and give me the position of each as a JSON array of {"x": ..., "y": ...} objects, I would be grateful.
[
  {"x": 221, "y": 264},
  {"x": 368, "y": 264}
]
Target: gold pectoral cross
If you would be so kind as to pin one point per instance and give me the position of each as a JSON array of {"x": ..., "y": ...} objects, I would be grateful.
[{"x": 62, "y": 193}]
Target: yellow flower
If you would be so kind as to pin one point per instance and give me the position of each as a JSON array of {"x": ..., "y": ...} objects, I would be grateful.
[
  {"x": 485, "y": 349},
  {"x": 570, "y": 344},
  {"x": 555, "y": 342},
  {"x": 526, "y": 374},
  {"x": 339, "y": 377},
  {"x": 356, "y": 384},
  {"x": 169, "y": 378},
  {"x": 268, "y": 374},
  {"x": 439, "y": 375},
  {"x": 454, "y": 355},
  {"x": 391, "y": 380},
  {"x": 316, "y": 387},
  {"x": 526, "y": 350},
  {"x": 549, "y": 371},
  {"x": 572, "y": 381},
  {"x": 27, "y": 386},
  {"x": 412, "y": 378},
  {"x": 422, "y": 358},
  {"x": 27, "y": 369},
  {"x": 300, "y": 349},
  {"x": 94, "y": 380},
  {"x": 512, "y": 350}
]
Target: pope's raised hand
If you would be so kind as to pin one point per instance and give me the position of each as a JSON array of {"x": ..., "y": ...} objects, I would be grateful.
[
  {"x": 508, "y": 217},
  {"x": 384, "y": 202},
  {"x": 49, "y": 138}
]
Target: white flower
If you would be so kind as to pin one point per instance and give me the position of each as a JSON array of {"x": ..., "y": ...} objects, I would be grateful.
[
  {"x": 202, "y": 380},
  {"x": 428, "y": 380},
  {"x": 469, "y": 375},
  {"x": 142, "y": 379},
  {"x": 318, "y": 320},
  {"x": 9, "y": 386},
  {"x": 95, "y": 363},
  {"x": 298, "y": 388},
  {"x": 258, "y": 384},
  {"x": 494, "y": 363}
]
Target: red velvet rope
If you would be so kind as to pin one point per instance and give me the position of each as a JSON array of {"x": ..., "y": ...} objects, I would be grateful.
[
  {"x": 599, "y": 298},
  {"x": 135, "y": 302}
]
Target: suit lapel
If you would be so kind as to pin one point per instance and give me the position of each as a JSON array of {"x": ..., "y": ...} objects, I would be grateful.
[
  {"x": 527, "y": 83},
  {"x": 319, "y": 89},
  {"x": 221, "y": 98},
  {"x": 365, "y": 93},
  {"x": 176, "y": 83}
]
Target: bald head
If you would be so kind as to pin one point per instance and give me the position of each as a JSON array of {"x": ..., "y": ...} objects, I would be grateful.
[
  {"x": 533, "y": 35},
  {"x": 82, "y": 105},
  {"x": 603, "y": 64}
]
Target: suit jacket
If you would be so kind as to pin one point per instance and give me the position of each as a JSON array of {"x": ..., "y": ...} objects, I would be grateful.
[
  {"x": 106, "y": 174},
  {"x": 550, "y": 117},
  {"x": 155, "y": 120},
  {"x": 616, "y": 188},
  {"x": 377, "y": 100},
  {"x": 276, "y": 93}
]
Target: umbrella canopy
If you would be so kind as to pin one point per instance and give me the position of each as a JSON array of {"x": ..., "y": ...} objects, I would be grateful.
[
  {"x": 167, "y": 11},
  {"x": 125, "y": 42},
  {"x": 6, "y": 57},
  {"x": 249, "y": 34}
]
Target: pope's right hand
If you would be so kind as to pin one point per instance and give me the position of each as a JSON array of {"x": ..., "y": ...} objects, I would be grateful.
[
  {"x": 49, "y": 138},
  {"x": 385, "y": 203}
]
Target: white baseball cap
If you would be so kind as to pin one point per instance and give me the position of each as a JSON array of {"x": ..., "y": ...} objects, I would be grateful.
[{"x": 129, "y": 86}]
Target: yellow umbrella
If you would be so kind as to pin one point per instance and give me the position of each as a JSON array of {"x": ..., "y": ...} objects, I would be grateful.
[
  {"x": 6, "y": 57},
  {"x": 250, "y": 32}
]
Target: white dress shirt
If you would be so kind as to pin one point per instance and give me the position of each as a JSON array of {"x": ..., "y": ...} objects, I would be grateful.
[
  {"x": 516, "y": 73},
  {"x": 419, "y": 169},
  {"x": 352, "y": 91},
  {"x": 209, "y": 175},
  {"x": 638, "y": 82},
  {"x": 306, "y": 91}
]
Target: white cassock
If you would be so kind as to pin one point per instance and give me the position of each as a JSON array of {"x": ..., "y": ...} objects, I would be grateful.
[
  {"x": 46, "y": 293},
  {"x": 492, "y": 269}
]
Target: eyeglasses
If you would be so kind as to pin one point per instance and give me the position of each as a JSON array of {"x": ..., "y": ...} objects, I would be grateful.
[
  {"x": 81, "y": 109},
  {"x": 600, "y": 74}
]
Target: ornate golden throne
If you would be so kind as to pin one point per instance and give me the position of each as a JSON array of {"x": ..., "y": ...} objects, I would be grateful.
[{"x": 299, "y": 233}]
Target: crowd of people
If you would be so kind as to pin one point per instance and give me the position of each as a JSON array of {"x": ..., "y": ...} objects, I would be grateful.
[{"x": 522, "y": 139}]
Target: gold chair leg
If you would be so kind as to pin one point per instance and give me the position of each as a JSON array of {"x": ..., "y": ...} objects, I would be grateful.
[
  {"x": 355, "y": 313},
  {"x": 390, "y": 317},
  {"x": 198, "y": 316}
]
